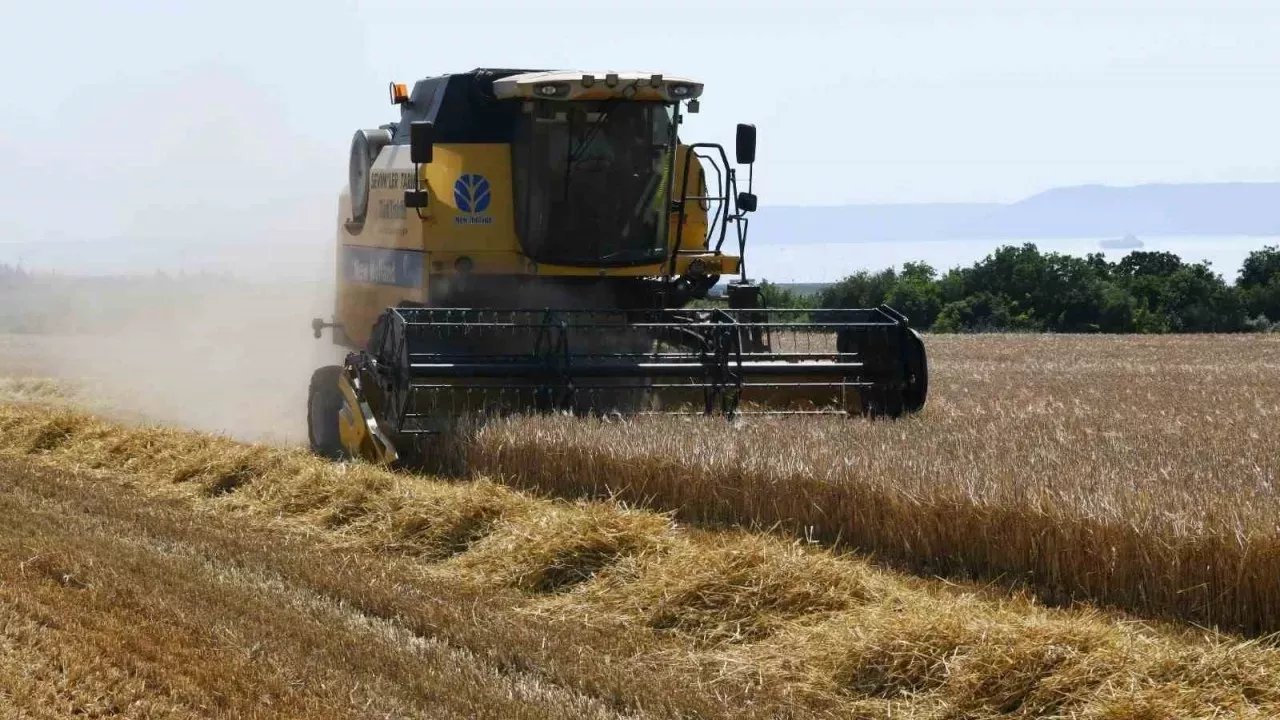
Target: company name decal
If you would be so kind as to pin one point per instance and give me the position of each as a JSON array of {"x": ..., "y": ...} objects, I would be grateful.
[{"x": 379, "y": 266}]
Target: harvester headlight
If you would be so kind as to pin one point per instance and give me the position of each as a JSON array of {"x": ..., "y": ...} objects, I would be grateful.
[
  {"x": 680, "y": 90},
  {"x": 588, "y": 80},
  {"x": 611, "y": 79},
  {"x": 548, "y": 90}
]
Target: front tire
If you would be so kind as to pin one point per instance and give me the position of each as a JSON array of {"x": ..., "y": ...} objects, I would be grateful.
[{"x": 324, "y": 402}]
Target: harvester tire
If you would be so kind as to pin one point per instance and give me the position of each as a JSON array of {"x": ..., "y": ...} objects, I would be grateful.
[{"x": 324, "y": 402}]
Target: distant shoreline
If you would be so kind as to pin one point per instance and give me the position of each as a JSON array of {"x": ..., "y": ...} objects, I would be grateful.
[{"x": 1068, "y": 213}]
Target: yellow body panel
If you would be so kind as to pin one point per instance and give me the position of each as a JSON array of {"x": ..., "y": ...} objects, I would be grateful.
[
  {"x": 365, "y": 288},
  {"x": 695, "y": 215},
  {"x": 358, "y": 428},
  {"x": 448, "y": 228},
  {"x": 391, "y": 257}
]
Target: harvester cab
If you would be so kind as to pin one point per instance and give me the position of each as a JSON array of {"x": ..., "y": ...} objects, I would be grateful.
[{"x": 534, "y": 241}]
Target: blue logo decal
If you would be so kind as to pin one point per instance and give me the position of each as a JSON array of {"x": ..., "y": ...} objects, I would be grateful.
[{"x": 471, "y": 192}]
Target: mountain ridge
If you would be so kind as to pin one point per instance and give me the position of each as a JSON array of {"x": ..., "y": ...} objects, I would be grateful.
[{"x": 1078, "y": 211}]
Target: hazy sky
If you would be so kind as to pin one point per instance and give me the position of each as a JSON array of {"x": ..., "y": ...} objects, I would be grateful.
[{"x": 192, "y": 119}]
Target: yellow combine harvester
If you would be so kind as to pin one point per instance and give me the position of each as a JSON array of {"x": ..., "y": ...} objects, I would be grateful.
[{"x": 527, "y": 241}]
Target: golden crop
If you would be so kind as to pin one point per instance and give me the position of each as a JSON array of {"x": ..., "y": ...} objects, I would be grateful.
[
  {"x": 160, "y": 573},
  {"x": 1139, "y": 472}
]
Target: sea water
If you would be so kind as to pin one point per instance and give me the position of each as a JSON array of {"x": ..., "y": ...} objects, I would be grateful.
[{"x": 831, "y": 261}]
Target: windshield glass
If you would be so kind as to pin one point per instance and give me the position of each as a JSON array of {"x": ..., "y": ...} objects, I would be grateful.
[{"x": 592, "y": 181}]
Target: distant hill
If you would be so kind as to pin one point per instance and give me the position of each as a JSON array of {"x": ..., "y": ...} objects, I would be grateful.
[
  {"x": 1084, "y": 211},
  {"x": 1101, "y": 211}
]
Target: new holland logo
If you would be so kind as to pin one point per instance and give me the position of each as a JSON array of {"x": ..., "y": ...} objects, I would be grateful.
[{"x": 471, "y": 194}]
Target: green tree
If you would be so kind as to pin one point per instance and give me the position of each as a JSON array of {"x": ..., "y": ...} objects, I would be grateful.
[
  {"x": 862, "y": 289},
  {"x": 1119, "y": 310},
  {"x": 951, "y": 286},
  {"x": 1261, "y": 268},
  {"x": 983, "y": 311},
  {"x": 1099, "y": 263},
  {"x": 1069, "y": 295},
  {"x": 1013, "y": 272},
  {"x": 1263, "y": 301},
  {"x": 916, "y": 294},
  {"x": 1260, "y": 283},
  {"x": 1145, "y": 273},
  {"x": 776, "y": 296},
  {"x": 1022, "y": 288},
  {"x": 1148, "y": 263},
  {"x": 1196, "y": 299}
]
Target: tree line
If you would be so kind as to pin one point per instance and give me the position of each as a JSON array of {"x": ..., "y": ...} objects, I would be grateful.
[{"x": 1022, "y": 288}]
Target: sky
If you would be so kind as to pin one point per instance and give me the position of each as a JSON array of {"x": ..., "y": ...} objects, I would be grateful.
[{"x": 231, "y": 121}]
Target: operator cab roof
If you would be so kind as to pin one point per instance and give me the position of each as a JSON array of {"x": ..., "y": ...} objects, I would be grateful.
[
  {"x": 606, "y": 85},
  {"x": 463, "y": 107}
]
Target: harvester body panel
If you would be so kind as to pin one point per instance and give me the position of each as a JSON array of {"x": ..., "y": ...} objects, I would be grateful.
[
  {"x": 570, "y": 199},
  {"x": 468, "y": 228}
]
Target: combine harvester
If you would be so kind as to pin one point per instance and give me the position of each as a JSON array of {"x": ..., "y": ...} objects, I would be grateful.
[{"x": 532, "y": 241}]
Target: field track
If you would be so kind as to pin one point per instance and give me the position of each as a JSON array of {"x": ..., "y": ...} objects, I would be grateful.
[
  {"x": 117, "y": 608},
  {"x": 152, "y": 573}
]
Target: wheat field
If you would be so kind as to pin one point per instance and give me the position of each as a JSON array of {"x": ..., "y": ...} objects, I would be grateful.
[
  {"x": 153, "y": 572},
  {"x": 149, "y": 572},
  {"x": 1139, "y": 472}
]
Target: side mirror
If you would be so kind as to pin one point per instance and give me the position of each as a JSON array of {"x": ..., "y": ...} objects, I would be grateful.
[
  {"x": 747, "y": 202},
  {"x": 422, "y": 138},
  {"x": 746, "y": 146}
]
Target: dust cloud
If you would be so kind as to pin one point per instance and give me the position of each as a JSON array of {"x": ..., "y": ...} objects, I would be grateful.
[
  {"x": 181, "y": 289},
  {"x": 229, "y": 357}
]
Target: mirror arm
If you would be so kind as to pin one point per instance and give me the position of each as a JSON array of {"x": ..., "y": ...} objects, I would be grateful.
[{"x": 417, "y": 189}]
